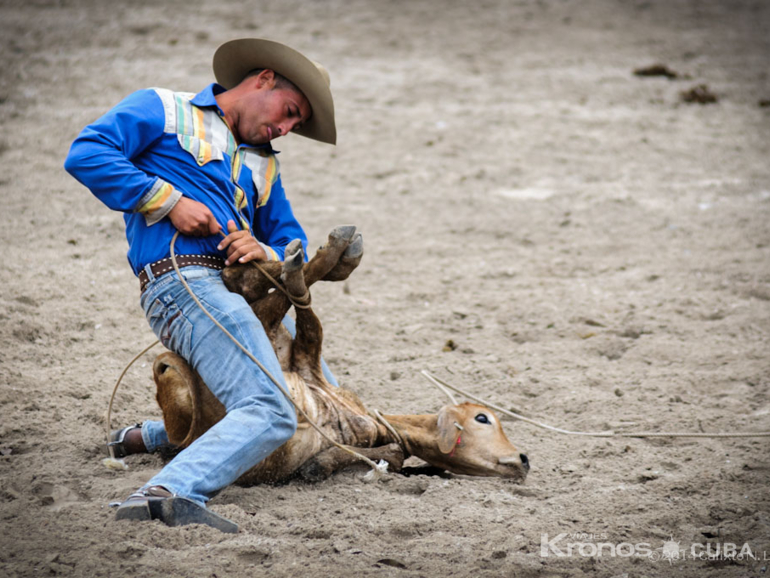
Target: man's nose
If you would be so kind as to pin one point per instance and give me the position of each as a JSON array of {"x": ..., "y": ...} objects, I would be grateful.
[{"x": 286, "y": 127}]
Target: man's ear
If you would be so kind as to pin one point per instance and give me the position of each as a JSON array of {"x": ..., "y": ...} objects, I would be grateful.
[
  {"x": 448, "y": 432},
  {"x": 266, "y": 79}
]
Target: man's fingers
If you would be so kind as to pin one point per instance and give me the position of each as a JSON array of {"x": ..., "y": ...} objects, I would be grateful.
[
  {"x": 238, "y": 248},
  {"x": 234, "y": 233},
  {"x": 257, "y": 255},
  {"x": 227, "y": 242},
  {"x": 193, "y": 218},
  {"x": 241, "y": 246},
  {"x": 253, "y": 255},
  {"x": 213, "y": 226},
  {"x": 204, "y": 225},
  {"x": 245, "y": 249}
]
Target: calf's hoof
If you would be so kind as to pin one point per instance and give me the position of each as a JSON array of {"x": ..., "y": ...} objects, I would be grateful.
[
  {"x": 294, "y": 256},
  {"x": 394, "y": 455},
  {"x": 349, "y": 260},
  {"x": 356, "y": 248},
  {"x": 342, "y": 233},
  {"x": 313, "y": 471}
]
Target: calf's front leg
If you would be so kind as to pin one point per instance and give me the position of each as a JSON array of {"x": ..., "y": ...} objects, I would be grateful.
[{"x": 334, "y": 459}]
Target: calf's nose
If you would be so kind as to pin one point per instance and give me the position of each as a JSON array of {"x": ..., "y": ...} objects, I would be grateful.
[{"x": 521, "y": 461}]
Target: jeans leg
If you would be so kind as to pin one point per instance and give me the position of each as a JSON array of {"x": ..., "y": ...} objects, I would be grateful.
[
  {"x": 259, "y": 418},
  {"x": 154, "y": 435},
  {"x": 291, "y": 326}
]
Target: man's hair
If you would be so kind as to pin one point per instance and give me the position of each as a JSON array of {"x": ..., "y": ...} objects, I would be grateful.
[{"x": 280, "y": 80}]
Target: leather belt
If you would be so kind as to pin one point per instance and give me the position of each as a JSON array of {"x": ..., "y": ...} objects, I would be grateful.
[{"x": 165, "y": 265}]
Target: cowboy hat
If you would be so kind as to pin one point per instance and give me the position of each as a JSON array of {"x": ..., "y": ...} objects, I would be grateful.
[{"x": 236, "y": 58}]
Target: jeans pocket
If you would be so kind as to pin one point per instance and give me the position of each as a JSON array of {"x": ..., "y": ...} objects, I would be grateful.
[{"x": 171, "y": 326}]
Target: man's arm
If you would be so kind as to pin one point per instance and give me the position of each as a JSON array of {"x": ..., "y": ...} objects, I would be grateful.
[{"x": 101, "y": 159}]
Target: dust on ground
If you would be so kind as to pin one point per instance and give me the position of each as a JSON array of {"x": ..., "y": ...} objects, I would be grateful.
[{"x": 596, "y": 249}]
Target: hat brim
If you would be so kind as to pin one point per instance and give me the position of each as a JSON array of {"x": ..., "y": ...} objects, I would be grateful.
[{"x": 236, "y": 58}]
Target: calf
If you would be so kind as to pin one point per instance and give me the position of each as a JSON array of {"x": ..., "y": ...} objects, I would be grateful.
[{"x": 463, "y": 439}]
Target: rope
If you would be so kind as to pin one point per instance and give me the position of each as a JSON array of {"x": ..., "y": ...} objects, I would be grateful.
[
  {"x": 444, "y": 390},
  {"x": 375, "y": 468},
  {"x": 606, "y": 434},
  {"x": 304, "y": 300},
  {"x": 115, "y": 390},
  {"x": 391, "y": 429}
]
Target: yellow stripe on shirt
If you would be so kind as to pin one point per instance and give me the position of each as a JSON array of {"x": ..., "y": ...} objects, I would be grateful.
[
  {"x": 270, "y": 178},
  {"x": 157, "y": 200}
]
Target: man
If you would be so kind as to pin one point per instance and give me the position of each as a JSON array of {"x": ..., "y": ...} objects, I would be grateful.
[{"x": 195, "y": 164}]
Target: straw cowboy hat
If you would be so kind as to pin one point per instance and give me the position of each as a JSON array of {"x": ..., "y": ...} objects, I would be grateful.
[{"x": 236, "y": 58}]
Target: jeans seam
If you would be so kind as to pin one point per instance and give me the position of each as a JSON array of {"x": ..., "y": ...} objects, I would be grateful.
[{"x": 232, "y": 320}]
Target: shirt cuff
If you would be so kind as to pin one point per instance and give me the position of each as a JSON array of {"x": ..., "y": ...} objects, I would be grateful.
[
  {"x": 158, "y": 202},
  {"x": 269, "y": 252}
]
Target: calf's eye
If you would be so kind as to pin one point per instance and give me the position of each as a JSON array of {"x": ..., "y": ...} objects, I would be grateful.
[{"x": 482, "y": 418}]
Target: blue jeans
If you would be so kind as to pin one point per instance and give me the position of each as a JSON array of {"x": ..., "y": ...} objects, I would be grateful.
[
  {"x": 259, "y": 418},
  {"x": 154, "y": 432}
]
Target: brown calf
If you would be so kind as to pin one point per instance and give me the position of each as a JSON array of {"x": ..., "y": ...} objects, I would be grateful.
[{"x": 463, "y": 439}]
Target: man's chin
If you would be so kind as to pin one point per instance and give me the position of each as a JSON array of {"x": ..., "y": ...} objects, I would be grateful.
[{"x": 257, "y": 141}]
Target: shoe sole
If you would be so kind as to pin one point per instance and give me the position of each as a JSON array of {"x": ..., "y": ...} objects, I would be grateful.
[
  {"x": 137, "y": 509},
  {"x": 174, "y": 511}
]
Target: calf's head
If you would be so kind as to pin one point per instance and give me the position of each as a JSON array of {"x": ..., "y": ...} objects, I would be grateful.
[{"x": 471, "y": 441}]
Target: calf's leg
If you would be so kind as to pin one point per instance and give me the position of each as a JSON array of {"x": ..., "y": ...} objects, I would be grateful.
[
  {"x": 332, "y": 262},
  {"x": 306, "y": 348},
  {"x": 348, "y": 261},
  {"x": 325, "y": 463}
]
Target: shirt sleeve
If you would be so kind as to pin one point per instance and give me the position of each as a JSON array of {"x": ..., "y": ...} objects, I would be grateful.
[
  {"x": 101, "y": 158},
  {"x": 276, "y": 226}
]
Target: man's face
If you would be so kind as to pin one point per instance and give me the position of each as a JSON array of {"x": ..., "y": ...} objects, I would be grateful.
[{"x": 268, "y": 112}]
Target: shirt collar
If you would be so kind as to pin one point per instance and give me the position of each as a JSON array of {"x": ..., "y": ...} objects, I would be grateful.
[{"x": 207, "y": 97}]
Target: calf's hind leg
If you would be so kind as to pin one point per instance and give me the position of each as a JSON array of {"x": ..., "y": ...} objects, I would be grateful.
[
  {"x": 332, "y": 262},
  {"x": 348, "y": 261},
  {"x": 343, "y": 245}
]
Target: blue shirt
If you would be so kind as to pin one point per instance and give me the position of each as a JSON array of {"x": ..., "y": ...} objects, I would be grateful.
[{"x": 156, "y": 146}]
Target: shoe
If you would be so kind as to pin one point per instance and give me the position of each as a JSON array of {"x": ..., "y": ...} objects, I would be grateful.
[
  {"x": 157, "y": 503},
  {"x": 117, "y": 442},
  {"x": 137, "y": 506}
]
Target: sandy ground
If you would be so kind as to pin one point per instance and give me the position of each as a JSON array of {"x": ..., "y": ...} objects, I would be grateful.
[{"x": 596, "y": 250}]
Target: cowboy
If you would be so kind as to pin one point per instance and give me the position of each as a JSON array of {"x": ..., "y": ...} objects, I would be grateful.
[{"x": 202, "y": 165}]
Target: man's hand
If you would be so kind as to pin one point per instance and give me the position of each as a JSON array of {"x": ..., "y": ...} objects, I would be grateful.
[
  {"x": 193, "y": 218},
  {"x": 241, "y": 246}
]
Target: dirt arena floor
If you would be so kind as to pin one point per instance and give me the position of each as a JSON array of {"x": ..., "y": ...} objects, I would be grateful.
[{"x": 543, "y": 227}]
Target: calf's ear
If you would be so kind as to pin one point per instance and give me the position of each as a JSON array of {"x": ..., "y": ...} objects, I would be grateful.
[{"x": 448, "y": 432}]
